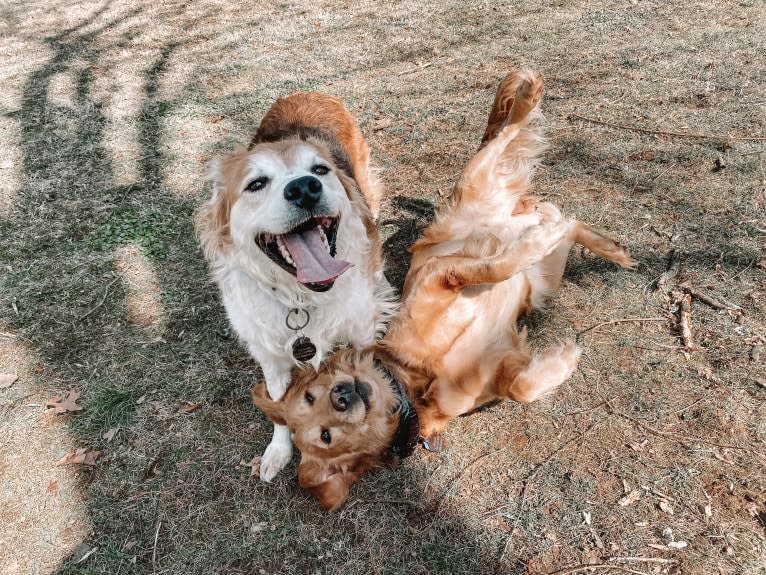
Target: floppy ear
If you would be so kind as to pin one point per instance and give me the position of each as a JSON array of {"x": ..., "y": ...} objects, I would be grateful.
[
  {"x": 274, "y": 410},
  {"x": 327, "y": 483},
  {"x": 212, "y": 219}
]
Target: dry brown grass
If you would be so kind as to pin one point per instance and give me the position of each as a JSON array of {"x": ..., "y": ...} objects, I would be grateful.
[{"x": 107, "y": 113}]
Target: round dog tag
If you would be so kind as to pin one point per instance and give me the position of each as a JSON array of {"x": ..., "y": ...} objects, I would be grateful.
[{"x": 303, "y": 349}]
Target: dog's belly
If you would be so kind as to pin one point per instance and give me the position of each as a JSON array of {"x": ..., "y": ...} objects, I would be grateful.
[{"x": 493, "y": 312}]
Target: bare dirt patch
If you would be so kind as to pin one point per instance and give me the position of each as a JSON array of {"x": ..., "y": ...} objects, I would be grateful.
[{"x": 109, "y": 111}]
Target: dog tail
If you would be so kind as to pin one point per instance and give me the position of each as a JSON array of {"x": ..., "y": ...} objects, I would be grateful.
[{"x": 512, "y": 142}]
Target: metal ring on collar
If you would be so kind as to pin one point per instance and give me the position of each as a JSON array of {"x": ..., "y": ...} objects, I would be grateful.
[{"x": 297, "y": 311}]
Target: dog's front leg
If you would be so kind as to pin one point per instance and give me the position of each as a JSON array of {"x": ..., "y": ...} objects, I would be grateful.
[{"x": 280, "y": 450}]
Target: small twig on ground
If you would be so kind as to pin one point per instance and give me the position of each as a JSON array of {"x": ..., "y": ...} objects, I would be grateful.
[
  {"x": 624, "y": 320},
  {"x": 390, "y": 501},
  {"x": 106, "y": 293},
  {"x": 644, "y": 560},
  {"x": 593, "y": 567},
  {"x": 704, "y": 298},
  {"x": 154, "y": 548},
  {"x": 417, "y": 69},
  {"x": 684, "y": 302},
  {"x": 674, "y": 264},
  {"x": 681, "y": 439},
  {"x": 668, "y": 133}
]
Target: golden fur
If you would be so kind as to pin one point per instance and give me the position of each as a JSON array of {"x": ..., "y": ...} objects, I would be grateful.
[{"x": 491, "y": 255}]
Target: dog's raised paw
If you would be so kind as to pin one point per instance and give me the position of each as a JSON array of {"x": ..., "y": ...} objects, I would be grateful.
[
  {"x": 275, "y": 458},
  {"x": 539, "y": 241}
]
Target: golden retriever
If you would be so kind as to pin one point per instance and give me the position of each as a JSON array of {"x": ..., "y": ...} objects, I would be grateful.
[
  {"x": 290, "y": 237},
  {"x": 492, "y": 254}
]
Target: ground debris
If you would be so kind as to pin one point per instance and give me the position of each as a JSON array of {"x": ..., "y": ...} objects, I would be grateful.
[
  {"x": 7, "y": 379},
  {"x": 674, "y": 265},
  {"x": 81, "y": 456},
  {"x": 65, "y": 405},
  {"x": 684, "y": 303}
]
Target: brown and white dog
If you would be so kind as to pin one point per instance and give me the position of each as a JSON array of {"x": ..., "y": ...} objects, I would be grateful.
[
  {"x": 492, "y": 254},
  {"x": 290, "y": 237}
]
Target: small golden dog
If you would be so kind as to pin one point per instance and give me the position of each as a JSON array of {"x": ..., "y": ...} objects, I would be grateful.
[{"x": 492, "y": 255}]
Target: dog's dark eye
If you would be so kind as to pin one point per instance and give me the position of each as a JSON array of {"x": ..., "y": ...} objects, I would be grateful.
[
  {"x": 325, "y": 436},
  {"x": 320, "y": 170},
  {"x": 309, "y": 398},
  {"x": 257, "y": 184}
]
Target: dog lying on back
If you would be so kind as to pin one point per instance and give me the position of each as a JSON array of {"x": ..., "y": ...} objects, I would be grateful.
[
  {"x": 291, "y": 240},
  {"x": 492, "y": 255}
]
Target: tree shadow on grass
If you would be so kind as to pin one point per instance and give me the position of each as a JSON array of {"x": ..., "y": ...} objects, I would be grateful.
[{"x": 170, "y": 493}]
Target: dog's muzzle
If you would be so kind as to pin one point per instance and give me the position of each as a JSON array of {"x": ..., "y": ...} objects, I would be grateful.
[{"x": 304, "y": 192}]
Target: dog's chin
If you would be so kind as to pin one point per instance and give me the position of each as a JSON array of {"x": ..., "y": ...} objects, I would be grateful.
[{"x": 275, "y": 248}]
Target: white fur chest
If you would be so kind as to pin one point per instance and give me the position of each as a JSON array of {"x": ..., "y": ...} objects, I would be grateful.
[{"x": 258, "y": 313}]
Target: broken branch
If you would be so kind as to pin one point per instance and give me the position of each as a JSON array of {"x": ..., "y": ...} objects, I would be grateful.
[
  {"x": 624, "y": 320},
  {"x": 704, "y": 298},
  {"x": 684, "y": 302},
  {"x": 668, "y": 133},
  {"x": 674, "y": 264}
]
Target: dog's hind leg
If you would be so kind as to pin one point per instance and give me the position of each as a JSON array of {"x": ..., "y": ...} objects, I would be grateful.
[
  {"x": 506, "y": 161},
  {"x": 525, "y": 379}
]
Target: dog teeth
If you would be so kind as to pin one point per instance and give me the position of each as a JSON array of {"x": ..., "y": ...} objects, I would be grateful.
[
  {"x": 283, "y": 251},
  {"x": 324, "y": 239}
]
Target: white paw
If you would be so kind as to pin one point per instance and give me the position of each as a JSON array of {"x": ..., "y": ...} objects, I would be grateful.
[
  {"x": 539, "y": 241},
  {"x": 274, "y": 459},
  {"x": 563, "y": 360}
]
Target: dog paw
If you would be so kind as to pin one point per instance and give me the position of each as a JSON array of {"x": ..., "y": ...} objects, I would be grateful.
[
  {"x": 539, "y": 241},
  {"x": 275, "y": 458},
  {"x": 569, "y": 354}
]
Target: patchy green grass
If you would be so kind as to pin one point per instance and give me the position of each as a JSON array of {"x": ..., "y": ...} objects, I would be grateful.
[{"x": 108, "y": 112}]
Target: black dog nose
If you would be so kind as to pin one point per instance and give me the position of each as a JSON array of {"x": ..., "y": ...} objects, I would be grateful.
[
  {"x": 342, "y": 396},
  {"x": 304, "y": 192}
]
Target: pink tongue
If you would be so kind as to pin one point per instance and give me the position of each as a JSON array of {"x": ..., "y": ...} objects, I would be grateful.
[{"x": 314, "y": 264}]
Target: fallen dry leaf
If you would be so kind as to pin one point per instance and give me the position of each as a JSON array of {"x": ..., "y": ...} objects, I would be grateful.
[
  {"x": 53, "y": 487},
  {"x": 643, "y": 156},
  {"x": 189, "y": 406},
  {"x": 109, "y": 435},
  {"x": 666, "y": 507},
  {"x": 381, "y": 124},
  {"x": 630, "y": 498},
  {"x": 81, "y": 456},
  {"x": 254, "y": 465},
  {"x": 65, "y": 405},
  {"x": 722, "y": 457},
  {"x": 7, "y": 379}
]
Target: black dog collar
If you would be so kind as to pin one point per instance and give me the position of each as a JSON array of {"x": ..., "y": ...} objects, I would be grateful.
[{"x": 405, "y": 439}]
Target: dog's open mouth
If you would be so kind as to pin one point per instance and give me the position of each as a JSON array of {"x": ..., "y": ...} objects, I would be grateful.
[{"x": 307, "y": 251}]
